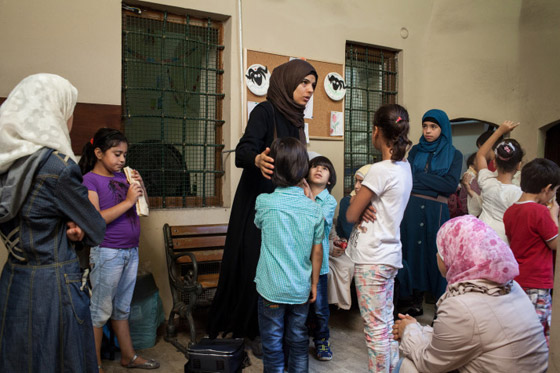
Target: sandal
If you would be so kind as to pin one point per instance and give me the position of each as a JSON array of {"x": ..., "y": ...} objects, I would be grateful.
[{"x": 149, "y": 364}]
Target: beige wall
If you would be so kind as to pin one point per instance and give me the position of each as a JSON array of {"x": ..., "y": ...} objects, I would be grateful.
[{"x": 491, "y": 60}]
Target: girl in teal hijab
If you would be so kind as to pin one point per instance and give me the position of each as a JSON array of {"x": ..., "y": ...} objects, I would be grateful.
[
  {"x": 436, "y": 168},
  {"x": 442, "y": 148}
]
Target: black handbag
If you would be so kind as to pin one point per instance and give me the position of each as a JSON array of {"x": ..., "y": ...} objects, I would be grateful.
[{"x": 217, "y": 355}]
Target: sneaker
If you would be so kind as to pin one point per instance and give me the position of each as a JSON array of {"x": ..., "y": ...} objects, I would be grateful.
[{"x": 323, "y": 349}]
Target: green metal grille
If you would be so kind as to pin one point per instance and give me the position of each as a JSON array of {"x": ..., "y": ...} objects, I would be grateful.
[
  {"x": 371, "y": 79},
  {"x": 172, "y": 91}
]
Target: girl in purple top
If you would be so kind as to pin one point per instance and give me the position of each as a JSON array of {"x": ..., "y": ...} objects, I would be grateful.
[{"x": 114, "y": 263}]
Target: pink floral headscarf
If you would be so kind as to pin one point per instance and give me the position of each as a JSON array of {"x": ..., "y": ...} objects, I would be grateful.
[{"x": 471, "y": 250}]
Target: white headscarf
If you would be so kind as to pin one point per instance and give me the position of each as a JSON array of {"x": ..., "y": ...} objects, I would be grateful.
[
  {"x": 362, "y": 172},
  {"x": 35, "y": 115}
]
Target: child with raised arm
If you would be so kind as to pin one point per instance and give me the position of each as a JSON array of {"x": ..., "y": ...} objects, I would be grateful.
[
  {"x": 499, "y": 192},
  {"x": 375, "y": 247},
  {"x": 531, "y": 226},
  {"x": 321, "y": 180},
  {"x": 292, "y": 227},
  {"x": 114, "y": 263}
]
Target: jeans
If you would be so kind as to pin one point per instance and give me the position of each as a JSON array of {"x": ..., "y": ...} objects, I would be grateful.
[
  {"x": 283, "y": 325},
  {"x": 113, "y": 277},
  {"x": 319, "y": 313},
  {"x": 374, "y": 285}
]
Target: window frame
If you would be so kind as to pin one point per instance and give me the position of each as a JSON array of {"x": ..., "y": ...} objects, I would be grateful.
[
  {"x": 369, "y": 56},
  {"x": 215, "y": 122}
]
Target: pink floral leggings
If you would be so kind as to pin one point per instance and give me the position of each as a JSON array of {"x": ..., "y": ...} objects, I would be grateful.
[{"x": 375, "y": 285}]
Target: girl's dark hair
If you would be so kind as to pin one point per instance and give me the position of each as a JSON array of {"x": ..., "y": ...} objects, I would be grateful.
[
  {"x": 291, "y": 162},
  {"x": 508, "y": 155},
  {"x": 104, "y": 139},
  {"x": 470, "y": 160},
  {"x": 539, "y": 173},
  {"x": 325, "y": 162},
  {"x": 393, "y": 121}
]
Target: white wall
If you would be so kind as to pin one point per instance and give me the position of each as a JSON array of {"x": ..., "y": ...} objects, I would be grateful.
[{"x": 492, "y": 60}]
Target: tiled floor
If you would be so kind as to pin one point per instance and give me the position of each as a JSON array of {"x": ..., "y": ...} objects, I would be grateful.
[{"x": 347, "y": 342}]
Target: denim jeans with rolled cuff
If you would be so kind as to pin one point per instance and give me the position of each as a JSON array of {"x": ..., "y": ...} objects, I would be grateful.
[{"x": 283, "y": 326}]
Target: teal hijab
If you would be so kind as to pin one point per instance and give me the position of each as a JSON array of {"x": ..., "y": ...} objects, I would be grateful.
[{"x": 442, "y": 149}]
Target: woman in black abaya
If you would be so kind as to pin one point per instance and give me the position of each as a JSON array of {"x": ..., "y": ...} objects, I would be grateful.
[{"x": 234, "y": 308}]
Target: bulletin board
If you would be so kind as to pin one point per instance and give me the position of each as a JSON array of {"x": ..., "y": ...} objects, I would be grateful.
[{"x": 319, "y": 125}]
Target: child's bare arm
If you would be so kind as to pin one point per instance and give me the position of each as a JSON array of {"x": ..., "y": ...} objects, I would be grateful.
[
  {"x": 136, "y": 176},
  {"x": 480, "y": 161},
  {"x": 110, "y": 214},
  {"x": 358, "y": 204},
  {"x": 316, "y": 262},
  {"x": 553, "y": 244}
]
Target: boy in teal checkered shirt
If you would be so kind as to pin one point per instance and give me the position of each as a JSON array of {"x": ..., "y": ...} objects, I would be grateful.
[
  {"x": 292, "y": 228},
  {"x": 321, "y": 180}
]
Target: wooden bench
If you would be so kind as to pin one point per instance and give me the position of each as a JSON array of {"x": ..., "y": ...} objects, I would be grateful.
[{"x": 194, "y": 255}]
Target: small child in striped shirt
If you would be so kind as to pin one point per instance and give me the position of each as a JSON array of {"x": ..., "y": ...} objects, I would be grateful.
[{"x": 292, "y": 230}]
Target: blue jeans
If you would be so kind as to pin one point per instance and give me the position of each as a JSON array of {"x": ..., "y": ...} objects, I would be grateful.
[
  {"x": 319, "y": 313},
  {"x": 113, "y": 277},
  {"x": 283, "y": 324}
]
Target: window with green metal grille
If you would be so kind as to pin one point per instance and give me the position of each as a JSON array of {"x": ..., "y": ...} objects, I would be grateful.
[
  {"x": 371, "y": 79},
  {"x": 172, "y": 106}
]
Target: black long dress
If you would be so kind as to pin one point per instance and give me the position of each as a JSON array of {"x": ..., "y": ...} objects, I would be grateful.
[{"x": 234, "y": 308}]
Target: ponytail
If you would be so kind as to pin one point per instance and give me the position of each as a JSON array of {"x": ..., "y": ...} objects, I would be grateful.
[
  {"x": 508, "y": 155},
  {"x": 393, "y": 121},
  {"x": 88, "y": 159},
  {"x": 401, "y": 144}
]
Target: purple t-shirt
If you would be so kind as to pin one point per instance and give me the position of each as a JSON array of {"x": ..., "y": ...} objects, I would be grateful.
[{"x": 124, "y": 231}]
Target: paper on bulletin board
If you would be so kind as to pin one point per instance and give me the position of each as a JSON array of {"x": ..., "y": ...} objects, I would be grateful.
[
  {"x": 306, "y": 130},
  {"x": 250, "y": 106},
  {"x": 337, "y": 123}
]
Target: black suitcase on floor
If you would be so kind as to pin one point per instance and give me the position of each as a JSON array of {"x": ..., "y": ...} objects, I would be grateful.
[{"x": 217, "y": 355}]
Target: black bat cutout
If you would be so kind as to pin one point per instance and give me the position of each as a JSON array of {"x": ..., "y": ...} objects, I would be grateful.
[
  {"x": 257, "y": 76},
  {"x": 336, "y": 84}
]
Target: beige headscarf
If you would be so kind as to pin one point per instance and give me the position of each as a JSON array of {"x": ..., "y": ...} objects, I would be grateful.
[
  {"x": 362, "y": 171},
  {"x": 35, "y": 115}
]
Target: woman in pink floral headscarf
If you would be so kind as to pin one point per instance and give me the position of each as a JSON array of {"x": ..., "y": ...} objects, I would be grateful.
[{"x": 485, "y": 322}]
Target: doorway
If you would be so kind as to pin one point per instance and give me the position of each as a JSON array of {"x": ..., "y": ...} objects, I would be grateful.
[{"x": 552, "y": 146}]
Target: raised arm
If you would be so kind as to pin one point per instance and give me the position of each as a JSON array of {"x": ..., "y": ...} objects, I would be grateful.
[{"x": 481, "y": 161}]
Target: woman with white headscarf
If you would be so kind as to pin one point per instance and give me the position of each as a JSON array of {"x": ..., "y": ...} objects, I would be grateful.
[
  {"x": 485, "y": 321},
  {"x": 45, "y": 323}
]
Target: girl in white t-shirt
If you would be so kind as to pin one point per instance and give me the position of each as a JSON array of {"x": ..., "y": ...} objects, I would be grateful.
[
  {"x": 499, "y": 192},
  {"x": 375, "y": 246}
]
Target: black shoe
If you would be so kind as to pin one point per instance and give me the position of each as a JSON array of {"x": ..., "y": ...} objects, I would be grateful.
[{"x": 415, "y": 311}]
